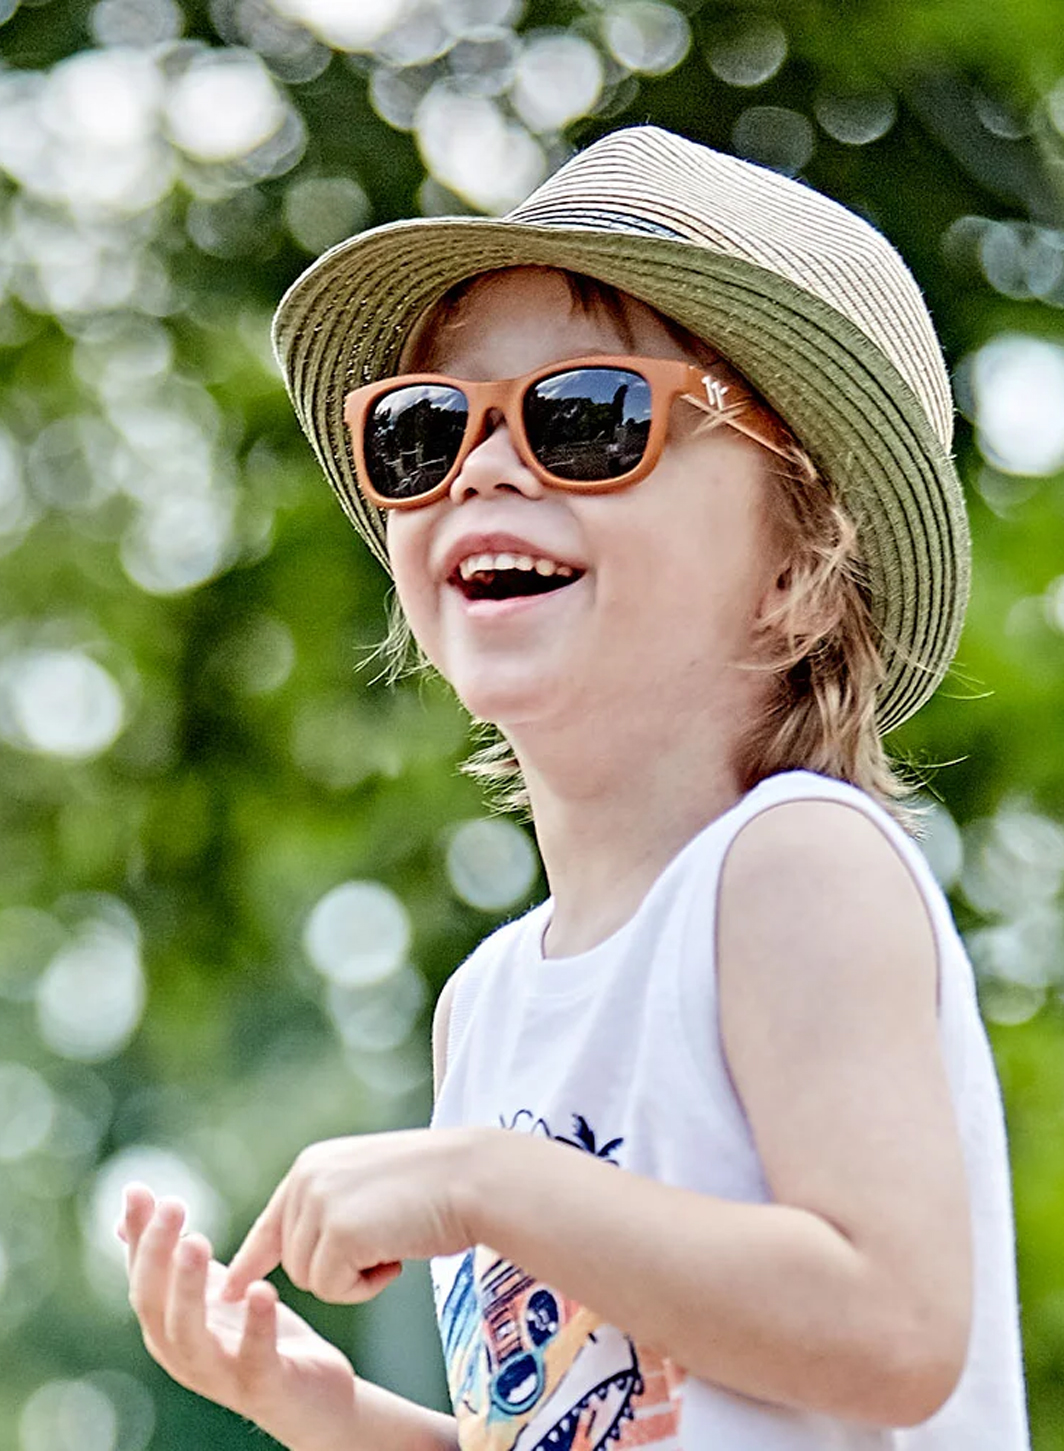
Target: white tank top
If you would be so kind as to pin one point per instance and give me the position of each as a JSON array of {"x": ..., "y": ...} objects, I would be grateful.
[{"x": 617, "y": 1051}]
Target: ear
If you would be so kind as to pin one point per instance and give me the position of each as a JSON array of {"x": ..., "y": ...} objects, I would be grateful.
[
  {"x": 797, "y": 606},
  {"x": 773, "y": 602}
]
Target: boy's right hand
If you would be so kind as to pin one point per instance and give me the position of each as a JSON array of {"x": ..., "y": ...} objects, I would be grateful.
[{"x": 254, "y": 1356}]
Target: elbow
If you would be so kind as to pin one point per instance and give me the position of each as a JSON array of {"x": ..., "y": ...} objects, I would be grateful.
[{"x": 927, "y": 1368}]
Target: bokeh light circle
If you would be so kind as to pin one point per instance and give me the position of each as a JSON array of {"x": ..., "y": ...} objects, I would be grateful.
[
  {"x": 59, "y": 703},
  {"x": 91, "y": 995},
  {"x": 27, "y": 1111},
  {"x": 1014, "y": 861},
  {"x": 358, "y": 933},
  {"x": 491, "y": 864},
  {"x": 322, "y": 210},
  {"x": 774, "y": 136},
  {"x": 558, "y": 78},
  {"x": 68, "y": 1415},
  {"x": 178, "y": 542},
  {"x": 942, "y": 844},
  {"x": 646, "y": 36},
  {"x": 469, "y": 145},
  {"x": 1017, "y": 386},
  {"x": 29, "y": 938},
  {"x": 750, "y": 55},
  {"x": 346, "y": 24},
  {"x": 136, "y": 22},
  {"x": 169, "y": 1176},
  {"x": 223, "y": 106},
  {"x": 856, "y": 119},
  {"x": 379, "y": 1018}
]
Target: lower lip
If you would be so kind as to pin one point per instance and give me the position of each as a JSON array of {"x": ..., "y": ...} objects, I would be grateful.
[{"x": 515, "y": 605}]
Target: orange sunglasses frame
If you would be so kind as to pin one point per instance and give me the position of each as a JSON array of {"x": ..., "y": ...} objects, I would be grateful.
[{"x": 717, "y": 389}]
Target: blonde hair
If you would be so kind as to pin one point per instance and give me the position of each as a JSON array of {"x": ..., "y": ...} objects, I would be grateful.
[{"x": 818, "y": 646}]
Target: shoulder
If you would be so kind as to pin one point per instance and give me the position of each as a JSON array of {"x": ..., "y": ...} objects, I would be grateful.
[
  {"x": 815, "y": 833},
  {"x": 826, "y": 949}
]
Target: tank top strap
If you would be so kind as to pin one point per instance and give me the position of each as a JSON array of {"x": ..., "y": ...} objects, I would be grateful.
[
  {"x": 787, "y": 786},
  {"x": 480, "y": 964},
  {"x": 809, "y": 786}
]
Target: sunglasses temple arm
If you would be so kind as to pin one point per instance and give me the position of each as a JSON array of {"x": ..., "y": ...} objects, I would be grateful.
[
  {"x": 764, "y": 431},
  {"x": 767, "y": 435}
]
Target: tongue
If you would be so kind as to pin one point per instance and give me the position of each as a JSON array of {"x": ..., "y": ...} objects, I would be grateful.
[{"x": 504, "y": 584}]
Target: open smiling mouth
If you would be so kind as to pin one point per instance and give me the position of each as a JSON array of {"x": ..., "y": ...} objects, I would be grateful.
[{"x": 511, "y": 576}]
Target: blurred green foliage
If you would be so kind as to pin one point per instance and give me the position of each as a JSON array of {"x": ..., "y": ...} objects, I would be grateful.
[{"x": 190, "y": 757}]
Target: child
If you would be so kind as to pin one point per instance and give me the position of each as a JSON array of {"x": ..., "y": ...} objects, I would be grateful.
[{"x": 718, "y": 1158}]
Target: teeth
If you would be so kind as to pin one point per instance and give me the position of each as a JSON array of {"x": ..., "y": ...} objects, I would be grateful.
[{"x": 488, "y": 563}]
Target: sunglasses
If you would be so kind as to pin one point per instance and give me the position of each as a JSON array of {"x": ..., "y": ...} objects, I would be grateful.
[{"x": 586, "y": 424}]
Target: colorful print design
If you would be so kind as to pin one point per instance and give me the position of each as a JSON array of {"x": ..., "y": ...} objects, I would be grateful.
[{"x": 531, "y": 1370}]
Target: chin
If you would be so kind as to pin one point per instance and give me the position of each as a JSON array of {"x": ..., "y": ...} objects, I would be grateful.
[{"x": 504, "y": 699}]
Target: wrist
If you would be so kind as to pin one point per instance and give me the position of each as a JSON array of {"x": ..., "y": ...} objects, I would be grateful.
[{"x": 483, "y": 1182}]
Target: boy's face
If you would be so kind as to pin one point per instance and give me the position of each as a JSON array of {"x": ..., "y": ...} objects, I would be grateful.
[{"x": 669, "y": 574}]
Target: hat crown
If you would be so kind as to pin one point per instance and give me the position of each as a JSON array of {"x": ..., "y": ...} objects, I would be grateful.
[{"x": 645, "y": 180}]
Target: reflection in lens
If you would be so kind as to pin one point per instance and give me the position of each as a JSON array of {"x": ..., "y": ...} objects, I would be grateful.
[
  {"x": 412, "y": 437},
  {"x": 589, "y": 423}
]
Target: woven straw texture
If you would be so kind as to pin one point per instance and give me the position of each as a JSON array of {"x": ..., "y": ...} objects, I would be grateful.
[{"x": 806, "y": 299}]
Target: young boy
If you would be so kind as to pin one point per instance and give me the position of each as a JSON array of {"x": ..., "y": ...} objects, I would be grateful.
[{"x": 718, "y": 1157}]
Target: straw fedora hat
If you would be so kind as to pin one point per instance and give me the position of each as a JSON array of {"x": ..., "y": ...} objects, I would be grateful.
[{"x": 805, "y": 298}]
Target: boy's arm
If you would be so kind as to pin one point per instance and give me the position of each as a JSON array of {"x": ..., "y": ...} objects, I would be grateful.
[
  {"x": 258, "y": 1359},
  {"x": 386, "y": 1419},
  {"x": 851, "y": 1293},
  {"x": 389, "y": 1422}
]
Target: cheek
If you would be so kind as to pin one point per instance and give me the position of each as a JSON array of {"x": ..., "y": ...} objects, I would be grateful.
[{"x": 408, "y": 552}]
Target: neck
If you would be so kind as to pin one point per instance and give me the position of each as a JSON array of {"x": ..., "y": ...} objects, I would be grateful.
[{"x": 608, "y": 821}]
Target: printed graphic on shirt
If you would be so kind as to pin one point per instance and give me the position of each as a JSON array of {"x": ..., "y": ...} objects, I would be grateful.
[{"x": 531, "y": 1370}]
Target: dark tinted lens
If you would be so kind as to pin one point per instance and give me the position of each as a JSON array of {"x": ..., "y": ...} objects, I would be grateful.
[
  {"x": 412, "y": 437},
  {"x": 588, "y": 423}
]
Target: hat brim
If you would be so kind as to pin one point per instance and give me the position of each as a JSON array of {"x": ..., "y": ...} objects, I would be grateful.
[{"x": 344, "y": 322}]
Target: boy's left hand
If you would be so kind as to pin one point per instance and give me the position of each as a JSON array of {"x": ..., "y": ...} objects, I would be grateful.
[{"x": 350, "y": 1210}]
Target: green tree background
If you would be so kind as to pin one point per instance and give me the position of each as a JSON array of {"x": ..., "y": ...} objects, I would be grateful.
[{"x": 234, "y": 868}]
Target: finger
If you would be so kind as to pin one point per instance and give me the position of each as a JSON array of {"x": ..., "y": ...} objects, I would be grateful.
[
  {"x": 149, "y": 1281},
  {"x": 335, "y": 1276},
  {"x": 138, "y": 1208},
  {"x": 302, "y": 1238},
  {"x": 331, "y": 1274},
  {"x": 372, "y": 1281},
  {"x": 185, "y": 1319},
  {"x": 261, "y": 1251},
  {"x": 257, "y": 1356}
]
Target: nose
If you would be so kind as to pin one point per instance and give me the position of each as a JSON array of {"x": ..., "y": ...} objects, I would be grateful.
[{"x": 492, "y": 465}]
